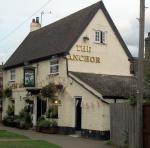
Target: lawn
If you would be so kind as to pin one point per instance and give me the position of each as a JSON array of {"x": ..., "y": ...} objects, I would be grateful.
[
  {"x": 9, "y": 135},
  {"x": 13, "y": 140},
  {"x": 27, "y": 144}
]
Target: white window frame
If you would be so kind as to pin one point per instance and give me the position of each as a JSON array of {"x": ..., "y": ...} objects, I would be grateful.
[
  {"x": 12, "y": 75},
  {"x": 100, "y": 36},
  {"x": 54, "y": 65}
]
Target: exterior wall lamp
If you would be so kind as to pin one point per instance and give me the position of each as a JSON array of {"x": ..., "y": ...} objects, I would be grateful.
[{"x": 85, "y": 38}]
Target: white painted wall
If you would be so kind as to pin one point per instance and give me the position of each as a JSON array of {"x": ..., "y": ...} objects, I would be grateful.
[
  {"x": 113, "y": 59},
  {"x": 94, "y": 118}
]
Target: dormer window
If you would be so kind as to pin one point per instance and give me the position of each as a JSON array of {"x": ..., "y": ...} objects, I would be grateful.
[
  {"x": 54, "y": 65},
  {"x": 100, "y": 37},
  {"x": 12, "y": 75}
]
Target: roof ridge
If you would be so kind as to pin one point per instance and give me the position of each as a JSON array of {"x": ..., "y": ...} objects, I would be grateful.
[
  {"x": 59, "y": 37},
  {"x": 72, "y": 72},
  {"x": 66, "y": 17}
]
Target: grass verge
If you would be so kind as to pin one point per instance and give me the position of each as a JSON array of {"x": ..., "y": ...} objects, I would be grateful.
[
  {"x": 27, "y": 144},
  {"x": 9, "y": 135}
]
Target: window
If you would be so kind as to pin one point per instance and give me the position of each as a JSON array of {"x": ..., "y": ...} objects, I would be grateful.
[
  {"x": 54, "y": 66},
  {"x": 12, "y": 74},
  {"x": 100, "y": 37}
]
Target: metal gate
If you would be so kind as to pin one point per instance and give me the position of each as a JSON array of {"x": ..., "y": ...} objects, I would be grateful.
[{"x": 146, "y": 126}]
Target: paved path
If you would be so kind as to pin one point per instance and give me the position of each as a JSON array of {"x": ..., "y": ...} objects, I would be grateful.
[{"x": 62, "y": 140}]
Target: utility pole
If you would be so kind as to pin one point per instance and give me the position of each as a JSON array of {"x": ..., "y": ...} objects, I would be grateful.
[{"x": 140, "y": 76}]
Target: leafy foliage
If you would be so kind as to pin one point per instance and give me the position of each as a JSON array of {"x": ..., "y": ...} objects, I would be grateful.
[
  {"x": 42, "y": 122},
  {"x": 132, "y": 100},
  {"x": 52, "y": 112},
  {"x": 49, "y": 90},
  {"x": 25, "y": 116},
  {"x": 1, "y": 94},
  {"x": 10, "y": 110},
  {"x": 8, "y": 92}
]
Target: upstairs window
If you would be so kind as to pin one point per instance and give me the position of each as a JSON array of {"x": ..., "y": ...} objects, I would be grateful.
[
  {"x": 100, "y": 37},
  {"x": 54, "y": 66},
  {"x": 12, "y": 75}
]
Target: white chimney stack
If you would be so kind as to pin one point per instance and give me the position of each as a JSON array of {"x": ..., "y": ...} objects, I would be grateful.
[{"x": 35, "y": 25}]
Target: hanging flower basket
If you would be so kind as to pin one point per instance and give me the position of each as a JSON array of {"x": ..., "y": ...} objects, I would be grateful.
[
  {"x": 49, "y": 90},
  {"x": 8, "y": 92},
  {"x": 59, "y": 87}
]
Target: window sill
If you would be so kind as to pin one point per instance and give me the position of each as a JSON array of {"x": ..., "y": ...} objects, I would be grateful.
[
  {"x": 11, "y": 81},
  {"x": 100, "y": 43},
  {"x": 53, "y": 74}
]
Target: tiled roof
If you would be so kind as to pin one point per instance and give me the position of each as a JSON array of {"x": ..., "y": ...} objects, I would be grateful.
[
  {"x": 58, "y": 38},
  {"x": 112, "y": 85}
]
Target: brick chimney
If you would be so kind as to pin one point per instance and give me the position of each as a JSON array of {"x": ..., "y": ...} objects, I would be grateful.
[
  {"x": 35, "y": 25},
  {"x": 147, "y": 47}
]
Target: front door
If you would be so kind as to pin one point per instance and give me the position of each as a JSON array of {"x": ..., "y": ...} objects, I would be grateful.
[
  {"x": 78, "y": 113},
  {"x": 38, "y": 108}
]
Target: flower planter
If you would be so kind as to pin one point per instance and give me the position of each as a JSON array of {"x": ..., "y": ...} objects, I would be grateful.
[{"x": 49, "y": 130}]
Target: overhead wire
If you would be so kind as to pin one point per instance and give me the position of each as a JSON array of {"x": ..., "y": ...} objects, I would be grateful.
[{"x": 21, "y": 24}]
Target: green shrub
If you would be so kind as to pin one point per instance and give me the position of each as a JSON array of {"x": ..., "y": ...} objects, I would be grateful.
[
  {"x": 44, "y": 123},
  {"x": 8, "y": 92},
  {"x": 53, "y": 123},
  {"x": 52, "y": 112},
  {"x": 47, "y": 123},
  {"x": 41, "y": 119},
  {"x": 109, "y": 142},
  {"x": 24, "y": 118},
  {"x": 132, "y": 101},
  {"x": 10, "y": 110}
]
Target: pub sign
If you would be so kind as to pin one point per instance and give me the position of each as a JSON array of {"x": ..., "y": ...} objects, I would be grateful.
[{"x": 29, "y": 77}]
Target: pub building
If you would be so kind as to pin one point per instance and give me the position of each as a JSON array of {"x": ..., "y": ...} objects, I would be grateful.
[{"x": 85, "y": 55}]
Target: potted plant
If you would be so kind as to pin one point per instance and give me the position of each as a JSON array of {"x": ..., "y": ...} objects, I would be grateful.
[
  {"x": 24, "y": 120},
  {"x": 47, "y": 126},
  {"x": 8, "y": 120}
]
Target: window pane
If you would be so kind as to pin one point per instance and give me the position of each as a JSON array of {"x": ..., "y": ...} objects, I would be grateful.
[
  {"x": 12, "y": 74},
  {"x": 54, "y": 69},
  {"x": 55, "y": 61},
  {"x": 54, "y": 65}
]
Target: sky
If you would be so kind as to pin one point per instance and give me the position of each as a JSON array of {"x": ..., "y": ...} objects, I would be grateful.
[{"x": 16, "y": 16}]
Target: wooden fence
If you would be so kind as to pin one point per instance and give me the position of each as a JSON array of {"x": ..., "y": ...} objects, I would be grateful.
[
  {"x": 123, "y": 124},
  {"x": 0, "y": 116}
]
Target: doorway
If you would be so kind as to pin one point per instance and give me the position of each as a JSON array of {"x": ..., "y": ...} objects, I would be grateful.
[
  {"x": 78, "y": 113},
  {"x": 41, "y": 107}
]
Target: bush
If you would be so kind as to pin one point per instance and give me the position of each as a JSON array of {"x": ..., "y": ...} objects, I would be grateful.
[
  {"x": 52, "y": 112},
  {"x": 8, "y": 92},
  {"x": 47, "y": 123},
  {"x": 132, "y": 101},
  {"x": 41, "y": 119},
  {"x": 10, "y": 110},
  {"x": 8, "y": 120},
  {"x": 44, "y": 123},
  {"x": 24, "y": 120}
]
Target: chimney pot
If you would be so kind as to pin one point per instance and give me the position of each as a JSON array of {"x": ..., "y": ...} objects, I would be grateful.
[
  {"x": 33, "y": 20},
  {"x": 35, "y": 25},
  {"x": 37, "y": 19}
]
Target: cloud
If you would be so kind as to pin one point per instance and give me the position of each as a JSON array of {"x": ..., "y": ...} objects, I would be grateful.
[{"x": 129, "y": 30}]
